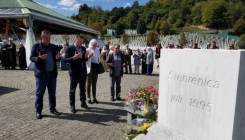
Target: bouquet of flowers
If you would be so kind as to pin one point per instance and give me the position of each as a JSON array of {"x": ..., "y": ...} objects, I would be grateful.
[
  {"x": 143, "y": 100},
  {"x": 137, "y": 127}
]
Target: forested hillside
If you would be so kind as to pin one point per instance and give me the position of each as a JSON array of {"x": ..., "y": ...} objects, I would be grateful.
[{"x": 164, "y": 16}]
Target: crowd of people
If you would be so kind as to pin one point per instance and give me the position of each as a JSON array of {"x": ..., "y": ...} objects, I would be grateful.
[
  {"x": 9, "y": 55},
  {"x": 76, "y": 58},
  {"x": 211, "y": 45}
]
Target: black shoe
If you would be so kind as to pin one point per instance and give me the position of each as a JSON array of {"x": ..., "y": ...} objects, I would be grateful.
[
  {"x": 95, "y": 101},
  {"x": 5, "y": 68},
  {"x": 130, "y": 72},
  {"x": 138, "y": 73},
  {"x": 55, "y": 112},
  {"x": 125, "y": 72},
  {"x": 90, "y": 102},
  {"x": 112, "y": 99},
  {"x": 73, "y": 110},
  {"x": 85, "y": 106},
  {"x": 12, "y": 68},
  {"x": 39, "y": 115},
  {"x": 119, "y": 98}
]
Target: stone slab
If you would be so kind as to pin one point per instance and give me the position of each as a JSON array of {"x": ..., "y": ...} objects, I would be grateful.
[
  {"x": 161, "y": 132},
  {"x": 202, "y": 93}
]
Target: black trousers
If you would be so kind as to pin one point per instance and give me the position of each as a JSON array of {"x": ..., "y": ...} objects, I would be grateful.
[
  {"x": 117, "y": 80},
  {"x": 128, "y": 64},
  {"x": 81, "y": 80}
]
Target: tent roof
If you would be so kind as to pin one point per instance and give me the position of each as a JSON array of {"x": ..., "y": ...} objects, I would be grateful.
[{"x": 12, "y": 9}]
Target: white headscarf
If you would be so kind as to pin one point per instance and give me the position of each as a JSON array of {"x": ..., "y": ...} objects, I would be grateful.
[
  {"x": 149, "y": 49},
  {"x": 93, "y": 41}
]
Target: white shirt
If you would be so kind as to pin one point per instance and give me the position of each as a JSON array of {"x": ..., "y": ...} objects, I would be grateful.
[{"x": 96, "y": 56}]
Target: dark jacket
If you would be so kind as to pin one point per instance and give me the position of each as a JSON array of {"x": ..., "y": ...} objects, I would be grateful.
[
  {"x": 78, "y": 66},
  {"x": 130, "y": 53},
  {"x": 40, "y": 66},
  {"x": 110, "y": 59}
]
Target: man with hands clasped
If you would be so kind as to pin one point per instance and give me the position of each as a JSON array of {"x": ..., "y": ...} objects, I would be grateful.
[
  {"x": 44, "y": 55},
  {"x": 77, "y": 56}
]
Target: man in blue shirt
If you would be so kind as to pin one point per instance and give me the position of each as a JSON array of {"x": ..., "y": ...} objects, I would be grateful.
[
  {"x": 77, "y": 56},
  {"x": 44, "y": 55}
]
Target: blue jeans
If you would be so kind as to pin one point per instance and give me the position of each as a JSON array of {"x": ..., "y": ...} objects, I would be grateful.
[
  {"x": 49, "y": 81},
  {"x": 149, "y": 68}
]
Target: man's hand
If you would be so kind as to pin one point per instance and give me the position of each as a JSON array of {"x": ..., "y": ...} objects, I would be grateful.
[
  {"x": 123, "y": 64},
  {"x": 57, "y": 56},
  {"x": 4, "y": 49},
  {"x": 111, "y": 65},
  {"x": 43, "y": 57},
  {"x": 77, "y": 55}
]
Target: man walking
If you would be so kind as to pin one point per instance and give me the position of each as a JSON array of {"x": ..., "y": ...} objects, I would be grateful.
[
  {"x": 77, "y": 56},
  {"x": 45, "y": 55}
]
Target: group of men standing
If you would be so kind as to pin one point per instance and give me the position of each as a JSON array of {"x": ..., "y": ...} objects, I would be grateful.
[
  {"x": 8, "y": 57},
  {"x": 45, "y": 55}
]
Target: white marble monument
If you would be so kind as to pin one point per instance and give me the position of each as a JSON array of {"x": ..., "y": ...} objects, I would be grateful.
[{"x": 202, "y": 93}]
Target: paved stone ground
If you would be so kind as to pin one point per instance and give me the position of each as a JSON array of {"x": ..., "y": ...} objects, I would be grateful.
[{"x": 103, "y": 122}]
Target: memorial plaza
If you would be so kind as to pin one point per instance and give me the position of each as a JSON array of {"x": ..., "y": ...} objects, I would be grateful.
[{"x": 102, "y": 122}]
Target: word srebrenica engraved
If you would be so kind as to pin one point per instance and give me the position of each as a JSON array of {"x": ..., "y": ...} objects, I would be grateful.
[
  {"x": 195, "y": 103},
  {"x": 194, "y": 80}
]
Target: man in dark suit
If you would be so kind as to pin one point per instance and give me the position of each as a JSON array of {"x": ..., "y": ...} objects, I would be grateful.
[
  {"x": 127, "y": 56},
  {"x": 44, "y": 55},
  {"x": 13, "y": 53},
  {"x": 77, "y": 56}
]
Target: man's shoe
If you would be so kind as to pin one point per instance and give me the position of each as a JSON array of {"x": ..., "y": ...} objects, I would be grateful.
[
  {"x": 112, "y": 99},
  {"x": 119, "y": 98},
  {"x": 39, "y": 115},
  {"x": 85, "y": 106},
  {"x": 73, "y": 110},
  {"x": 90, "y": 102},
  {"x": 95, "y": 101},
  {"x": 55, "y": 112}
]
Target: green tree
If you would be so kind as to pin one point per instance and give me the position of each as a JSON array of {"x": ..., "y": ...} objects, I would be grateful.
[
  {"x": 241, "y": 43},
  {"x": 158, "y": 25},
  {"x": 141, "y": 26},
  {"x": 96, "y": 26},
  {"x": 197, "y": 14},
  {"x": 165, "y": 28},
  {"x": 182, "y": 39},
  {"x": 120, "y": 26},
  {"x": 152, "y": 38},
  {"x": 213, "y": 14},
  {"x": 239, "y": 27},
  {"x": 135, "y": 5},
  {"x": 125, "y": 38},
  {"x": 153, "y": 22}
]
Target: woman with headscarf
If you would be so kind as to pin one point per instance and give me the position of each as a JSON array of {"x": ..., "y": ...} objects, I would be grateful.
[
  {"x": 103, "y": 56},
  {"x": 137, "y": 58},
  {"x": 93, "y": 75},
  {"x": 149, "y": 61},
  {"x": 22, "y": 57},
  {"x": 63, "y": 65}
]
